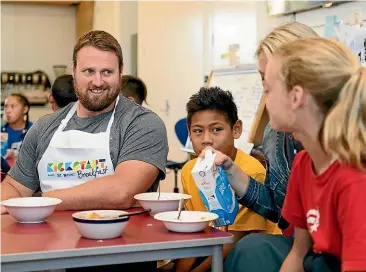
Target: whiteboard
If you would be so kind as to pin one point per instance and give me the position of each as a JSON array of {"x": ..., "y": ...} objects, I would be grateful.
[{"x": 245, "y": 84}]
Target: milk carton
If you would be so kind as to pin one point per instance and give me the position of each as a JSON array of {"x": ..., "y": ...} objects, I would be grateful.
[{"x": 215, "y": 190}]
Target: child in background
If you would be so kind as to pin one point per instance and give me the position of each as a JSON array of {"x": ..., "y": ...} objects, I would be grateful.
[
  {"x": 62, "y": 92},
  {"x": 13, "y": 132},
  {"x": 134, "y": 89},
  {"x": 213, "y": 122}
]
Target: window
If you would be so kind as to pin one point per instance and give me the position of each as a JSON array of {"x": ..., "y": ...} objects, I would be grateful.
[{"x": 234, "y": 33}]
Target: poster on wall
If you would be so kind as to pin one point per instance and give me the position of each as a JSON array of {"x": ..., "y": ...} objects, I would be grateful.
[{"x": 353, "y": 35}]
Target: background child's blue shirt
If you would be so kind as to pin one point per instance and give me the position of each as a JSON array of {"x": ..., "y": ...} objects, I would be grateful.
[{"x": 15, "y": 137}]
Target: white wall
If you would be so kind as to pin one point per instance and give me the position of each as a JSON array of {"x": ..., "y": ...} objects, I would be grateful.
[
  {"x": 265, "y": 23},
  {"x": 107, "y": 17},
  {"x": 128, "y": 28},
  {"x": 170, "y": 60},
  {"x": 36, "y": 37}
]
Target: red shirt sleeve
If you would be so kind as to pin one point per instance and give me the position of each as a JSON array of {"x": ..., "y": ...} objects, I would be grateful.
[
  {"x": 352, "y": 221},
  {"x": 293, "y": 210}
]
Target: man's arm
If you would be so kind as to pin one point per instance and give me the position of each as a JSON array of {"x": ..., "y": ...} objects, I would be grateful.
[
  {"x": 112, "y": 192},
  {"x": 22, "y": 178},
  {"x": 10, "y": 188}
]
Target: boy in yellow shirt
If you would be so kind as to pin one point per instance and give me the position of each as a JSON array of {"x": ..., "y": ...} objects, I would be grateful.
[{"x": 213, "y": 121}]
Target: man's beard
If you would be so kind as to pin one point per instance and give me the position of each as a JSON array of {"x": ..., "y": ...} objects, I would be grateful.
[{"x": 95, "y": 102}]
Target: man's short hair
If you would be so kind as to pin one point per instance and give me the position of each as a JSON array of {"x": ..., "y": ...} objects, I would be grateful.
[{"x": 101, "y": 40}]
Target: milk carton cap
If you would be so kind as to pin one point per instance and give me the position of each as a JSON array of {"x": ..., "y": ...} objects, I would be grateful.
[{"x": 208, "y": 161}]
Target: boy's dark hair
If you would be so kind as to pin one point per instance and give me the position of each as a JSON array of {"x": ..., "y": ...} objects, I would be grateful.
[
  {"x": 135, "y": 87},
  {"x": 63, "y": 90},
  {"x": 213, "y": 98}
]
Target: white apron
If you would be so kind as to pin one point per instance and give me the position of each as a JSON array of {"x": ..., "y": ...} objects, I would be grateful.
[{"x": 74, "y": 157}]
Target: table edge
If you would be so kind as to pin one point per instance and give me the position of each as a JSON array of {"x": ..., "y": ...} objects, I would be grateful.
[{"x": 90, "y": 251}]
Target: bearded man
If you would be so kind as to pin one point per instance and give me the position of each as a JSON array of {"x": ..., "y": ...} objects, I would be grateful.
[{"x": 98, "y": 152}]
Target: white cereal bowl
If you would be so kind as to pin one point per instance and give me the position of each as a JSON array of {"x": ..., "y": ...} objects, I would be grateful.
[
  {"x": 166, "y": 202},
  {"x": 99, "y": 229},
  {"x": 31, "y": 209},
  {"x": 189, "y": 221}
]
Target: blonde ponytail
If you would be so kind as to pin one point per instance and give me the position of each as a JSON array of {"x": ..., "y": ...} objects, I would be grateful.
[{"x": 344, "y": 133}]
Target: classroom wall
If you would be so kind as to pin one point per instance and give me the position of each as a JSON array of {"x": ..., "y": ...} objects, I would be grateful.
[
  {"x": 128, "y": 32},
  {"x": 170, "y": 61},
  {"x": 36, "y": 37},
  {"x": 107, "y": 17},
  {"x": 316, "y": 18}
]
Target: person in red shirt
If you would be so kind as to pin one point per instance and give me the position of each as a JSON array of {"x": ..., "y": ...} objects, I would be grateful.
[{"x": 316, "y": 90}]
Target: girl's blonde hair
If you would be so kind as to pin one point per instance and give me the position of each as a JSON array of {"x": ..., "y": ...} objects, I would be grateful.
[
  {"x": 332, "y": 74},
  {"x": 281, "y": 35}
]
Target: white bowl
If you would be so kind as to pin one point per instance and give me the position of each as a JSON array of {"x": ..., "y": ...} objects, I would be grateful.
[
  {"x": 100, "y": 228},
  {"x": 189, "y": 221},
  {"x": 166, "y": 202},
  {"x": 31, "y": 209}
]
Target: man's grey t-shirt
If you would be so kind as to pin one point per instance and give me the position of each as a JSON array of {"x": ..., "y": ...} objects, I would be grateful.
[{"x": 137, "y": 133}]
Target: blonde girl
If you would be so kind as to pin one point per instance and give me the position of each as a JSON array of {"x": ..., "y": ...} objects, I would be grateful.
[{"x": 316, "y": 89}]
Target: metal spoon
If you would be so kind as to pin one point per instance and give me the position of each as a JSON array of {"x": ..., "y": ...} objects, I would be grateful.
[
  {"x": 181, "y": 204},
  {"x": 135, "y": 213},
  {"x": 159, "y": 191}
]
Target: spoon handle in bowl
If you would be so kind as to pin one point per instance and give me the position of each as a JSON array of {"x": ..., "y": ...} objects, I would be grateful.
[
  {"x": 159, "y": 191},
  {"x": 180, "y": 208},
  {"x": 135, "y": 213}
]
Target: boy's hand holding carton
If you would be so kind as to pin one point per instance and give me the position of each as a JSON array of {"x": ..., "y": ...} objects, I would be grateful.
[{"x": 215, "y": 190}]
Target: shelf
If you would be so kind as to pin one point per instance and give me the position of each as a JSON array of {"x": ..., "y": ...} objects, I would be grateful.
[{"x": 55, "y": 3}]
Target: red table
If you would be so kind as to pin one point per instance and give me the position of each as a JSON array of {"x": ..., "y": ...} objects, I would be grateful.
[{"x": 57, "y": 244}]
